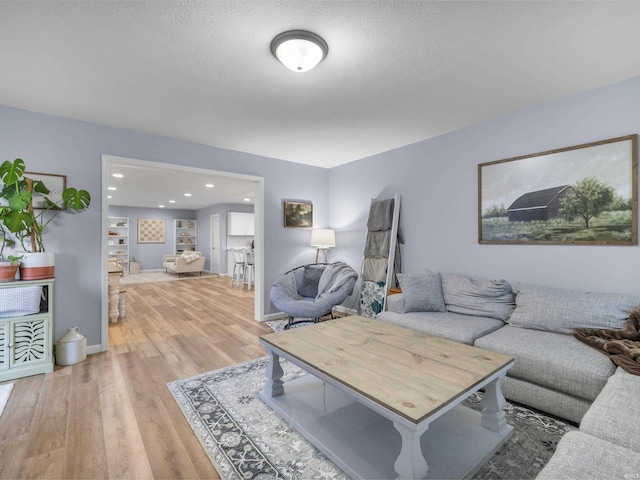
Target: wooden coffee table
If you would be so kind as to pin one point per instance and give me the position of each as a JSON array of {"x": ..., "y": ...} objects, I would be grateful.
[{"x": 384, "y": 401}]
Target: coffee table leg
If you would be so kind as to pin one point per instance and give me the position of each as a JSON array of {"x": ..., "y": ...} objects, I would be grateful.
[
  {"x": 410, "y": 463},
  {"x": 273, "y": 386},
  {"x": 493, "y": 416}
]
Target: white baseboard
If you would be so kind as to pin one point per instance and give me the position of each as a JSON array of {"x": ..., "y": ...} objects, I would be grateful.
[
  {"x": 91, "y": 349},
  {"x": 348, "y": 311}
]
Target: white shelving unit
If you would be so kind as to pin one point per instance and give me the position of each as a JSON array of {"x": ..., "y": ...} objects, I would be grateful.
[
  {"x": 26, "y": 341},
  {"x": 118, "y": 240},
  {"x": 185, "y": 235}
]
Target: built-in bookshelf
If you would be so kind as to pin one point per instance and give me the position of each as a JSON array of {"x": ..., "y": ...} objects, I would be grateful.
[
  {"x": 118, "y": 240},
  {"x": 185, "y": 235}
]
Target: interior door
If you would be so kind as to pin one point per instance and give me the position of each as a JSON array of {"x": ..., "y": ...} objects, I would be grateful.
[{"x": 214, "y": 236}]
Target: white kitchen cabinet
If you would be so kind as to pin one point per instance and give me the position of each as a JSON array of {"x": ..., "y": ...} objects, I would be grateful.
[{"x": 240, "y": 223}]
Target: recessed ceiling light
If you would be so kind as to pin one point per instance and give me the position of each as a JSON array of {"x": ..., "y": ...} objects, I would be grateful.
[
  {"x": 109, "y": 196},
  {"x": 247, "y": 199},
  {"x": 118, "y": 175},
  {"x": 111, "y": 188},
  {"x": 160, "y": 206},
  {"x": 172, "y": 201},
  {"x": 209, "y": 185},
  {"x": 187, "y": 194}
]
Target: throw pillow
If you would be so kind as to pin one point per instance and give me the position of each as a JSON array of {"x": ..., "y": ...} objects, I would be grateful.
[
  {"x": 190, "y": 257},
  {"x": 309, "y": 285},
  {"x": 482, "y": 298},
  {"x": 422, "y": 292},
  {"x": 562, "y": 311}
]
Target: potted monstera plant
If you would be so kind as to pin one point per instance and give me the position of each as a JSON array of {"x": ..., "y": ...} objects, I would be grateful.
[{"x": 18, "y": 216}]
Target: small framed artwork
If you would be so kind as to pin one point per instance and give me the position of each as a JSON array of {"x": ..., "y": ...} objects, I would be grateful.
[
  {"x": 55, "y": 183},
  {"x": 298, "y": 214},
  {"x": 151, "y": 230},
  {"x": 582, "y": 195}
]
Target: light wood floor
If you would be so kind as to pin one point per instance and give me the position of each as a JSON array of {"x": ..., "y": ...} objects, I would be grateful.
[{"x": 112, "y": 416}]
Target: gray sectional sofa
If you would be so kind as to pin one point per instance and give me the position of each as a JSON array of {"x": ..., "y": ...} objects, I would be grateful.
[
  {"x": 553, "y": 371},
  {"x": 608, "y": 442}
]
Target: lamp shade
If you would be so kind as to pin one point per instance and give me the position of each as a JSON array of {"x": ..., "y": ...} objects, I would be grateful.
[
  {"x": 323, "y": 238},
  {"x": 299, "y": 50}
]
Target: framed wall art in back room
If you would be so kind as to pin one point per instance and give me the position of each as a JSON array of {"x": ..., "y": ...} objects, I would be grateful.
[
  {"x": 151, "y": 230},
  {"x": 581, "y": 195}
]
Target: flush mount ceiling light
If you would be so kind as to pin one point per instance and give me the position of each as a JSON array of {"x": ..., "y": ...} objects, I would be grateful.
[{"x": 299, "y": 50}]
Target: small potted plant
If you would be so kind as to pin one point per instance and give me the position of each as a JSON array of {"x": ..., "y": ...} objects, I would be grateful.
[
  {"x": 19, "y": 218},
  {"x": 9, "y": 265}
]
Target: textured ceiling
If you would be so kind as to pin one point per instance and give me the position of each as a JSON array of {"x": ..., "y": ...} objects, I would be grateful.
[{"x": 397, "y": 71}]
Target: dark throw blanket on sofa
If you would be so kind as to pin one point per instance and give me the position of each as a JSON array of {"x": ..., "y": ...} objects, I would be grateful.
[{"x": 622, "y": 346}]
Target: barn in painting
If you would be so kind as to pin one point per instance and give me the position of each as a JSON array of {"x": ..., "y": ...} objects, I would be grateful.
[{"x": 539, "y": 205}]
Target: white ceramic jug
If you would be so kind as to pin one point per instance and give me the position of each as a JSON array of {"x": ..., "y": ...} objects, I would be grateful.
[{"x": 71, "y": 348}]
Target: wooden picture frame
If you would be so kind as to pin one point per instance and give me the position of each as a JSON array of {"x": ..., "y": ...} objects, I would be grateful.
[
  {"x": 151, "y": 230},
  {"x": 55, "y": 183},
  {"x": 298, "y": 214},
  {"x": 581, "y": 195}
]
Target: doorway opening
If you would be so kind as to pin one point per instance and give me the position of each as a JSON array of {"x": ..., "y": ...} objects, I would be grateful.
[{"x": 171, "y": 172}]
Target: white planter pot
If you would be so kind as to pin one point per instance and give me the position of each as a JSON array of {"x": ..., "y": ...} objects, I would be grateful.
[{"x": 36, "y": 266}]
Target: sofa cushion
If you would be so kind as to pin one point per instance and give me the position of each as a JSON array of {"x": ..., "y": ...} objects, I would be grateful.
[
  {"x": 546, "y": 399},
  {"x": 609, "y": 416},
  {"x": 452, "y": 326},
  {"x": 422, "y": 292},
  {"x": 471, "y": 296},
  {"x": 395, "y": 303},
  {"x": 562, "y": 311},
  {"x": 559, "y": 362},
  {"x": 582, "y": 456}
]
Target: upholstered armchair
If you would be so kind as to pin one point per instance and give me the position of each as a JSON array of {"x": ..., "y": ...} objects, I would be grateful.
[{"x": 188, "y": 262}]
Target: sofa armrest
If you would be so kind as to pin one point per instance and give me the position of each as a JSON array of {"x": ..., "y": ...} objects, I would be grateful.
[
  {"x": 170, "y": 258},
  {"x": 395, "y": 303}
]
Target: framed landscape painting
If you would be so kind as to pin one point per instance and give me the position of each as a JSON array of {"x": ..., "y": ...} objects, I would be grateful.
[
  {"x": 298, "y": 214},
  {"x": 581, "y": 195}
]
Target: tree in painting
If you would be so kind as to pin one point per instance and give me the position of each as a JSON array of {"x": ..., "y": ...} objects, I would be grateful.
[{"x": 588, "y": 199}]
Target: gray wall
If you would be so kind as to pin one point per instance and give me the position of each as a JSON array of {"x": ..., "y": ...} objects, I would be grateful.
[
  {"x": 204, "y": 220},
  {"x": 150, "y": 254},
  {"x": 58, "y": 145},
  {"x": 438, "y": 182},
  {"x": 437, "y": 179}
]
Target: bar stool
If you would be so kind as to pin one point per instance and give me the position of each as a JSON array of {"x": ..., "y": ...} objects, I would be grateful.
[
  {"x": 238, "y": 266},
  {"x": 249, "y": 271}
]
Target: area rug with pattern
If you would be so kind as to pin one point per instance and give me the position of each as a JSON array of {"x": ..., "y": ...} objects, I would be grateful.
[
  {"x": 278, "y": 325},
  {"x": 5, "y": 391},
  {"x": 245, "y": 439},
  {"x": 160, "y": 276}
]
